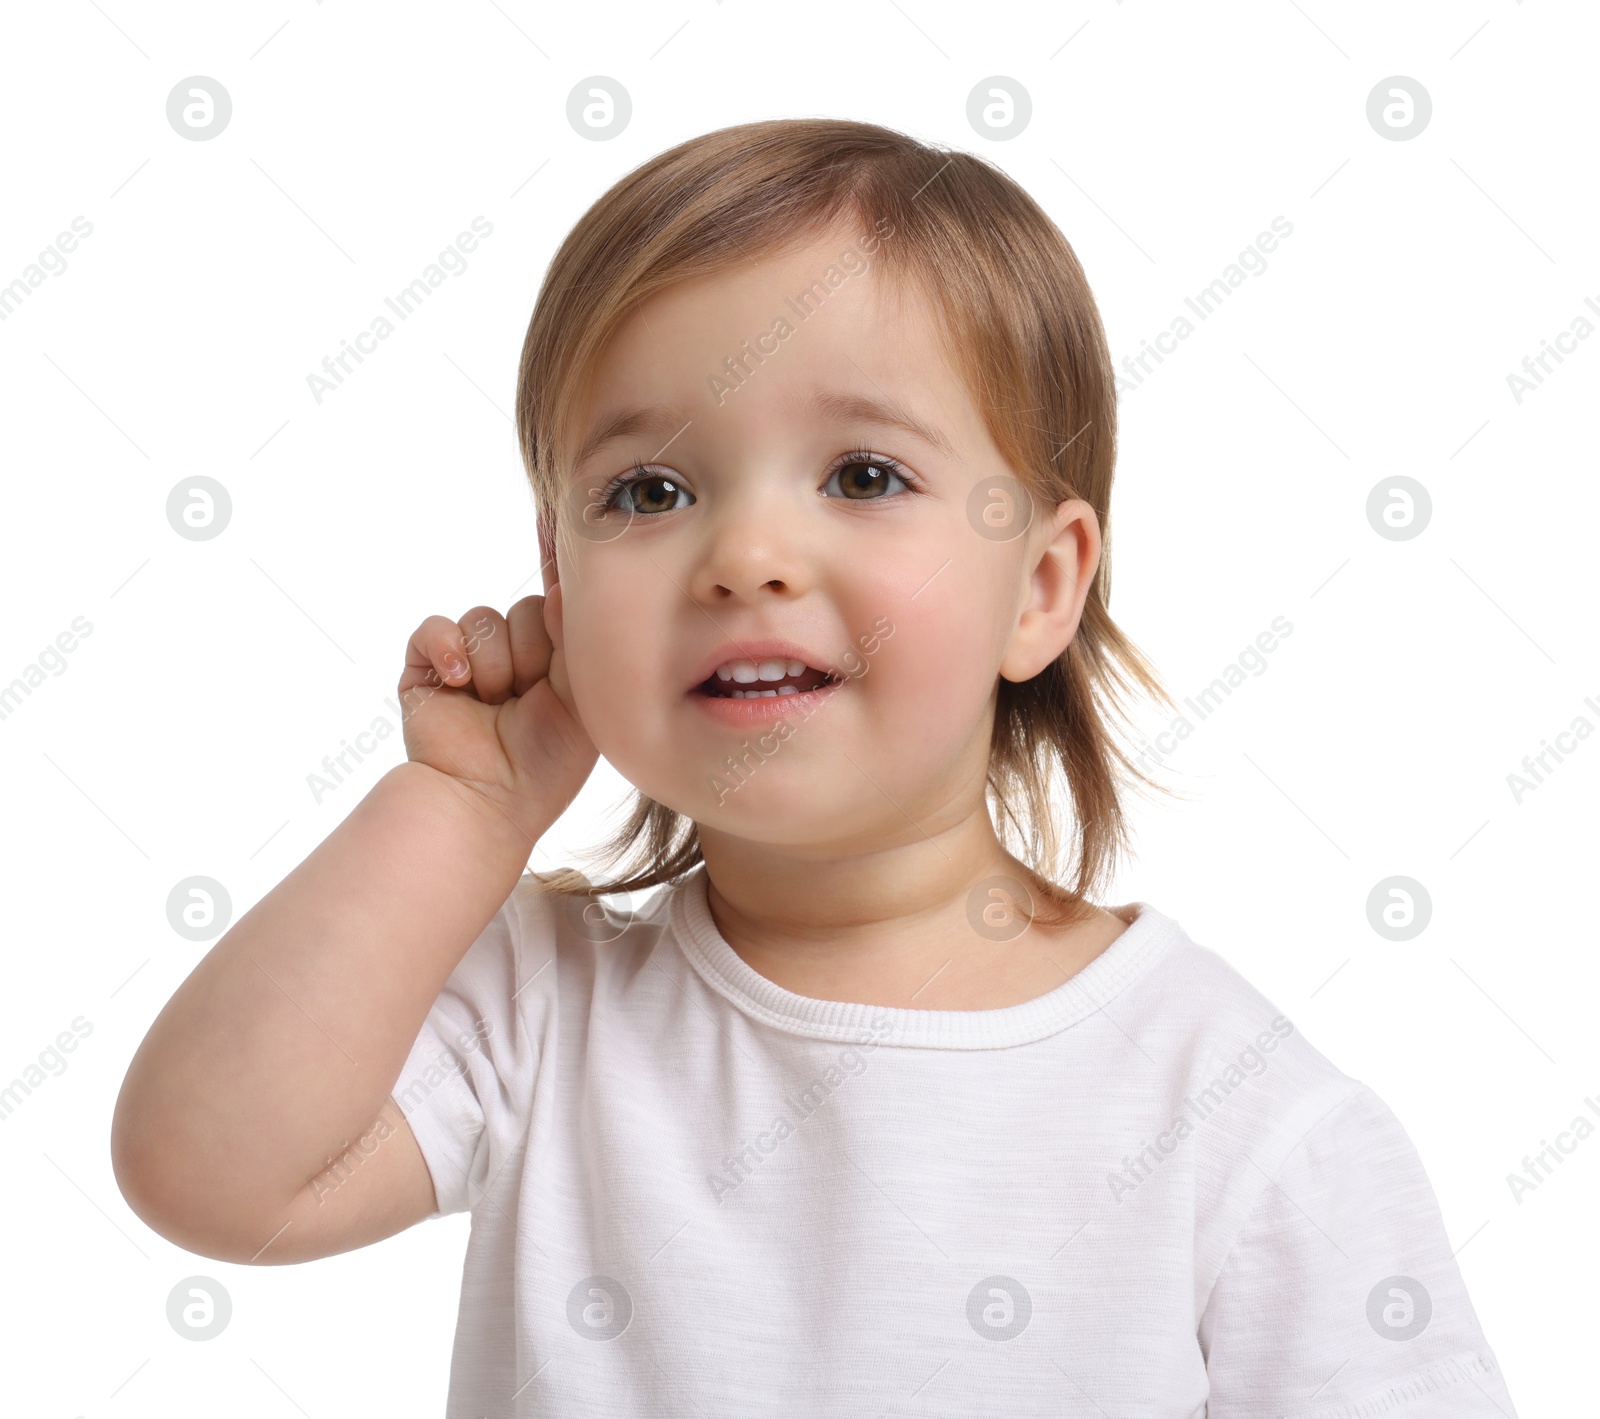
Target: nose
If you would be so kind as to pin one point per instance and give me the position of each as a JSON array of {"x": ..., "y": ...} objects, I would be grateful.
[{"x": 755, "y": 545}]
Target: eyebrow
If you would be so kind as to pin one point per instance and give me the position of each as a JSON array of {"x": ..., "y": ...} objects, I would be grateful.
[
  {"x": 844, "y": 408},
  {"x": 884, "y": 412},
  {"x": 656, "y": 417}
]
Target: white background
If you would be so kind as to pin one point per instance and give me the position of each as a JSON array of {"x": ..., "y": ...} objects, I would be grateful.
[{"x": 1164, "y": 136}]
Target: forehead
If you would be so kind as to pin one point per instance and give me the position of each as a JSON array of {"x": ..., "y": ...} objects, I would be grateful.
[{"x": 817, "y": 331}]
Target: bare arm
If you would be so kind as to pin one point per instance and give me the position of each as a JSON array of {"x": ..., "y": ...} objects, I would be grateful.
[
  {"x": 275, "y": 1058},
  {"x": 281, "y": 1047}
]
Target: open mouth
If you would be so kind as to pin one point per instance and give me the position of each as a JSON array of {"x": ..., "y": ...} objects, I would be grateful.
[{"x": 763, "y": 679}]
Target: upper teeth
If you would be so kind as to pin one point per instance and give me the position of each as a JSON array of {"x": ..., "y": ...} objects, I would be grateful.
[{"x": 747, "y": 672}]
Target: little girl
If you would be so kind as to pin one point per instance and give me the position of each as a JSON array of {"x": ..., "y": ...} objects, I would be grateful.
[{"x": 862, "y": 1112}]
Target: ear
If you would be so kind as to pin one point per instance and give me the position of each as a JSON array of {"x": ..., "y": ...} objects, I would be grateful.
[
  {"x": 1058, "y": 586},
  {"x": 550, "y": 570}
]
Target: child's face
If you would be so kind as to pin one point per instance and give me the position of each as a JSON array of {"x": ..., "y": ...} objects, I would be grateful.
[{"x": 904, "y": 586}]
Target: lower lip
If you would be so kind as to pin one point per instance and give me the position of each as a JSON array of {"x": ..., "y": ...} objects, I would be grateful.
[{"x": 764, "y": 709}]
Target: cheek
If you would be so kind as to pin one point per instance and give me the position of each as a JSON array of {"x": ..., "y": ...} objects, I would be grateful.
[
  {"x": 940, "y": 663},
  {"x": 606, "y": 650}
]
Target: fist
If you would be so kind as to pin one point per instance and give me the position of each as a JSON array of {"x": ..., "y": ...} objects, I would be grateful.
[{"x": 485, "y": 700}]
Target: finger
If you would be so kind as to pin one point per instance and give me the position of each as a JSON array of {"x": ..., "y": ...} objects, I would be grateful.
[
  {"x": 436, "y": 655},
  {"x": 488, "y": 650},
  {"x": 530, "y": 644}
]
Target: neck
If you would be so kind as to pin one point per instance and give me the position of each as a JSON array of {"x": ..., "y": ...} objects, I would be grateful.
[{"x": 878, "y": 922}]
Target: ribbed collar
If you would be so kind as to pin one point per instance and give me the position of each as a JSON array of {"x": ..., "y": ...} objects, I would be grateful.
[{"x": 1090, "y": 990}]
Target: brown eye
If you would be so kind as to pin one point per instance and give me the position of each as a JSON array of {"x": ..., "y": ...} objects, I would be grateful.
[
  {"x": 865, "y": 480},
  {"x": 650, "y": 493}
]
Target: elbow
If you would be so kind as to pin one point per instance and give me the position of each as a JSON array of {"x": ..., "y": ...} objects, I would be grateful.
[
  {"x": 130, "y": 1160},
  {"x": 164, "y": 1194},
  {"x": 136, "y": 1164}
]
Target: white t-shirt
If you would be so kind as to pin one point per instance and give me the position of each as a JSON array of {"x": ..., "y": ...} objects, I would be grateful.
[{"x": 696, "y": 1193}]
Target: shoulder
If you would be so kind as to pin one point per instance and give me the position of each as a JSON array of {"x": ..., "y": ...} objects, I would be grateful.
[
  {"x": 542, "y": 942},
  {"x": 544, "y": 954},
  {"x": 584, "y": 936},
  {"x": 1246, "y": 1084},
  {"x": 1219, "y": 1034}
]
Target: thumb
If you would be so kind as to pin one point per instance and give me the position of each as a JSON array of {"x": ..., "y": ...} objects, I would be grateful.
[
  {"x": 571, "y": 728},
  {"x": 546, "y": 739}
]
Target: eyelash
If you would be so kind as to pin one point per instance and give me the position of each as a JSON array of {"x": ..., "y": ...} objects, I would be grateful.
[
  {"x": 877, "y": 460},
  {"x": 641, "y": 472}
]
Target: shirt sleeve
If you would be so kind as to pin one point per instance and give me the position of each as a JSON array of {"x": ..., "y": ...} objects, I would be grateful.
[
  {"x": 467, "y": 1082},
  {"x": 1340, "y": 1298}
]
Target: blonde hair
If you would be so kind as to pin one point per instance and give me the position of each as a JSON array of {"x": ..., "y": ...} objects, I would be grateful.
[{"x": 1019, "y": 323}]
